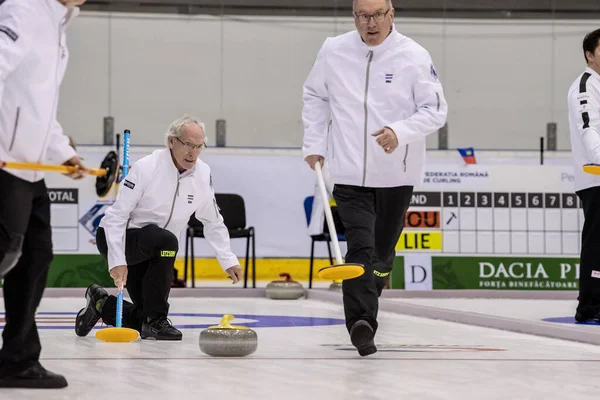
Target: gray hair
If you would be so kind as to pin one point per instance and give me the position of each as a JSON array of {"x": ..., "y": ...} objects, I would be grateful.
[
  {"x": 176, "y": 127},
  {"x": 389, "y": 2}
]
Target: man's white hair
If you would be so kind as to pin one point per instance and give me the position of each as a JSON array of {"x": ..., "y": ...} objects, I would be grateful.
[
  {"x": 389, "y": 2},
  {"x": 176, "y": 127}
]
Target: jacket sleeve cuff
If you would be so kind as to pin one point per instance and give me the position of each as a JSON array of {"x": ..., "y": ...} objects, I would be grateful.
[
  {"x": 64, "y": 155},
  {"x": 115, "y": 261},
  {"x": 59, "y": 150},
  {"x": 398, "y": 127},
  {"x": 228, "y": 262},
  {"x": 217, "y": 235},
  {"x": 314, "y": 150}
]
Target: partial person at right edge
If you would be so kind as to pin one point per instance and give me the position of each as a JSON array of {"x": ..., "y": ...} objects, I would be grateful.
[
  {"x": 584, "y": 122},
  {"x": 382, "y": 93}
]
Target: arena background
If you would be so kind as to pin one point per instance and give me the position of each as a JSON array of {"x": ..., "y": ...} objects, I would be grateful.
[{"x": 239, "y": 66}]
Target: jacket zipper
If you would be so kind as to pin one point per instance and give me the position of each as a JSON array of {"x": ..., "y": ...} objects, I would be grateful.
[
  {"x": 370, "y": 55},
  {"x": 173, "y": 204},
  {"x": 328, "y": 133},
  {"x": 14, "y": 135},
  {"x": 405, "y": 155}
]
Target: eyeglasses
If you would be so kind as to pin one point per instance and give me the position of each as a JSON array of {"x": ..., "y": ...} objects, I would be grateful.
[
  {"x": 191, "y": 146},
  {"x": 365, "y": 18}
]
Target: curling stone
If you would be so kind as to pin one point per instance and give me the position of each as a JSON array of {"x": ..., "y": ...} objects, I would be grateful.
[
  {"x": 335, "y": 286},
  {"x": 225, "y": 340},
  {"x": 287, "y": 289}
]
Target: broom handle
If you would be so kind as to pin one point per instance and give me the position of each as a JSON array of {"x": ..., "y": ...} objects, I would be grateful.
[
  {"x": 126, "y": 134},
  {"x": 328, "y": 214},
  {"x": 47, "y": 167},
  {"x": 119, "y": 318},
  {"x": 118, "y": 179}
]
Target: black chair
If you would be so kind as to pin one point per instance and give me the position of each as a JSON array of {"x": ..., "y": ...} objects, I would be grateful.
[
  {"x": 233, "y": 210},
  {"x": 324, "y": 237}
]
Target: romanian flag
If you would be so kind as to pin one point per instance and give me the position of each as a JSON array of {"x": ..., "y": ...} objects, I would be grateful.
[{"x": 468, "y": 154}]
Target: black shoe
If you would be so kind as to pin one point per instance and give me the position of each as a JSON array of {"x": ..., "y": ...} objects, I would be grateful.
[
  {"x": 581, "y": 318},
  {"x": 35, "y": 377},
  {"x": 89, "y": 315},
  {"x": 362, "y": 335},
  {"x": 160, "y": 328}
]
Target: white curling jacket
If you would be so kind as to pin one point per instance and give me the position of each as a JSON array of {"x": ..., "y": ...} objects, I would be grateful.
[
  {"x": 362, "y": 89},
  {"x": 584, "y": 126},
  {"x": 33, "y": 59},
  {"x": 154, "y": 192}
]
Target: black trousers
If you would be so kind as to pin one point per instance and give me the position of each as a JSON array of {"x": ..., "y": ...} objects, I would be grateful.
[
  {"x": 373, "y": 220},
  {"x": 24, "y": 210},
  {"x": 589, "y": 286},
  {"x": 150, "y": 254}
]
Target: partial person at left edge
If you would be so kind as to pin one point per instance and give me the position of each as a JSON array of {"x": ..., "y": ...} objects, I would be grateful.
[{"x": 33, "y": 60}]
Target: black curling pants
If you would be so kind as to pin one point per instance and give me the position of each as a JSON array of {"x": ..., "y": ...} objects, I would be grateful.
[
  {"x": 589, "y": 276},
  {"x": 373, "y": 220},
  {"x": 150, "y": 253},
  {"x": 25, "y": 212}
]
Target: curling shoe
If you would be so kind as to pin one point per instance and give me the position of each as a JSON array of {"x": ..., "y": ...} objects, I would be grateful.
[
  {"x": 362, "y": 337},
  {"x": 89, "y": 315},
  {"x": 160, "y": 328},
  {"x": 32, "y": 377}
]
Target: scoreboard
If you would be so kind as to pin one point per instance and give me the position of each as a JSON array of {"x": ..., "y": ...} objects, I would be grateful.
[{"x": 499, "y": 210}]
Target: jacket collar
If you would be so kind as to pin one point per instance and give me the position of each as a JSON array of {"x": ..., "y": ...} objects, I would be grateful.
[
  {"x": 166, "y": 153},
  {"x": 60, "y": 13},
  {"x": 591, "y": 71},
  {"x": 74, "y": 14},
  {"x": 389, "y": 41}
]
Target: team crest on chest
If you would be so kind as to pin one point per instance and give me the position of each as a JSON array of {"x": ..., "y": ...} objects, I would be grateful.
[{"x": 190, "y": 198}]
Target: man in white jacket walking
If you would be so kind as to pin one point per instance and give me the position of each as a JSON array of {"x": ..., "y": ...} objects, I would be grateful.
[
  {"x": 139, "y": 233},
  {"x": 33, "y": 59},
  {"x": 382, "y": 93}
]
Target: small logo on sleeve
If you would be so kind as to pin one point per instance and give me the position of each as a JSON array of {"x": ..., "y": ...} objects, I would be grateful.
[
  {"x": 128, "y": 184},
  {"x": 388, "y": 78},
  {"x": 434, "y": 73}
]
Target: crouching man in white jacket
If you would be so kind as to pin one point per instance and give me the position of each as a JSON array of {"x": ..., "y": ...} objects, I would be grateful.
[
  {"x": 139, "y": 233},
  {"x": 382, "y": 94}
]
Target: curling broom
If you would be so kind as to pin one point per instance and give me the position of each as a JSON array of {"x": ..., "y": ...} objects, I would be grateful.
[{"x": 118, "y": 333}]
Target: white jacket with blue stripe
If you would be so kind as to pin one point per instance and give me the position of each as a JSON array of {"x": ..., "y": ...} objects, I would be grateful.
[
  {"x": 155, "y": 192},
  {"x": 353, "y": 90}
]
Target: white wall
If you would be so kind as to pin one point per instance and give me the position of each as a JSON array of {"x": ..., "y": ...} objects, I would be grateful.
[{"x": 504, "y": 80}]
